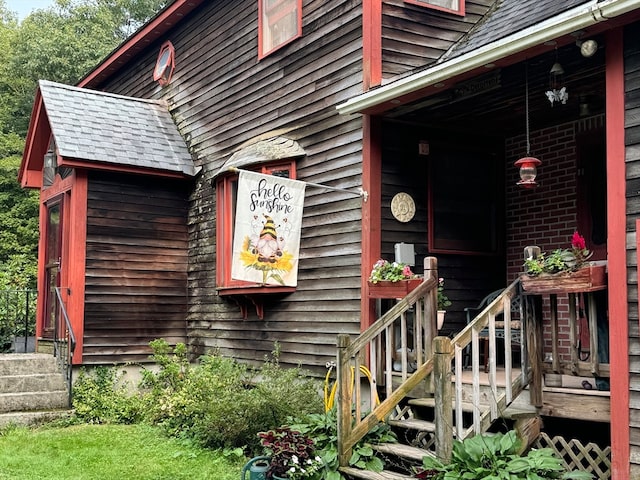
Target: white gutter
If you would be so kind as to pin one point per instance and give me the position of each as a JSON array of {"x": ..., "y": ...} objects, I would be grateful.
[{"x": 567, "y": 22}]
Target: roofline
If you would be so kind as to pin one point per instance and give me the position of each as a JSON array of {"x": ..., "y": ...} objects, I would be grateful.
[
  {"x": 566, "y": 23},
  {"x": 151, "y": 31}
]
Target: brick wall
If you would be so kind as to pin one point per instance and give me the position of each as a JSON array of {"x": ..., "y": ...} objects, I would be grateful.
[{"x": 547, "y": 215}]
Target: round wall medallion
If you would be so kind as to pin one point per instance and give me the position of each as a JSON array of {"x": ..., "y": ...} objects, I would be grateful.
[{"x": 403, "y": 207}]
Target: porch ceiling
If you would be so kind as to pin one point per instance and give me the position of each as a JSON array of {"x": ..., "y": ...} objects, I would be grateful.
[{"x": 497, "y": 106}]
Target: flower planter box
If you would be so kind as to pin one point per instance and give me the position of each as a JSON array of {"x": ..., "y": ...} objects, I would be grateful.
[
  {"x": 387, "y": 289},
  {"x": 588, "y": 278}
]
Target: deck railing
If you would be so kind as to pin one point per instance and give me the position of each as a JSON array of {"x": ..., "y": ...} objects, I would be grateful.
[
  {"x": 17, "y": 320},
  {"x": 377, "y": 348}
]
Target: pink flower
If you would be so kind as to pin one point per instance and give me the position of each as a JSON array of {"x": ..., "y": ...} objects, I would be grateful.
[
  {"x": 577, "y": 241},
  {"x": 406, "y": 271}
]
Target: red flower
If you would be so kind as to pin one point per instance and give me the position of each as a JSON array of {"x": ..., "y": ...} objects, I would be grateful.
[{"x": 577, "y": 241}]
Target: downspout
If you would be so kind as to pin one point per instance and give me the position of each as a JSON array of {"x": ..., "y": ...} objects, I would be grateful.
[{"x": 566, "y": 23}]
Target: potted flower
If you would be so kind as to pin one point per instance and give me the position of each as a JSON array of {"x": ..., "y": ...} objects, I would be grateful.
[
  {"x": 391, "y": 280},
  {"x": 443, "y": 303},
  {"x": 563, "y": 270},
  {"x": 291, "y": 455}
]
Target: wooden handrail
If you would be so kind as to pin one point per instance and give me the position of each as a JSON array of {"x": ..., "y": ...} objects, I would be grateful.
[{"x": 352, "y": 427}]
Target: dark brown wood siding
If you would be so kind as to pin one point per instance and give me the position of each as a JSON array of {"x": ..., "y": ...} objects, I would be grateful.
[
  {"x": 632, "y": 141},
  {"x": 414, "y": 36},
  {"x": 136, "y": 267},
  {"x": 468, "y": 278},
  {"x": 221, "y": 97}
]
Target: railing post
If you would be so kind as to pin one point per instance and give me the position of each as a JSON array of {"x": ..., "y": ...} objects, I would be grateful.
[
  {"x": 344, "y": 401},
  {"x": 431, "y": 271},
  {"x": 443, "y": 352},
  {"x": 532, "y": 310}
]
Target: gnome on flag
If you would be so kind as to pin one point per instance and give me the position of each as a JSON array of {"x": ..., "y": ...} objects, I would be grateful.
[{"x": 266, "y": 240}]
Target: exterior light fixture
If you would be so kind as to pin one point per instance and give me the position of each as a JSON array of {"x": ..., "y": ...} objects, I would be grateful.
[
  {"x": 528, "y": 171},
  {"x": 49, "y": 168},
  {"x": 588, "y": 48}
]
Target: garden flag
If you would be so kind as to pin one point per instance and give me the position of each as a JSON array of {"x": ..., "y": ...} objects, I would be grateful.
[{"x": 266, "y": 241}]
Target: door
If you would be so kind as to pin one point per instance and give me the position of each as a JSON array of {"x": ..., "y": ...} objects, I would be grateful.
[
  {"x": 592, "y": 192},
  {"x": 53, "y": 257}
]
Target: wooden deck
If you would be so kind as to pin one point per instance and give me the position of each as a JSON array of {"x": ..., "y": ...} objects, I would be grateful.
[{"x": 571, "y": 400}]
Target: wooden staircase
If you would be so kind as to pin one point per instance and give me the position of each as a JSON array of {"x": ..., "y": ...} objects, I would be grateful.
[
  {"x": 32, "y": 389},
  {"x": 440, "y": 400}
]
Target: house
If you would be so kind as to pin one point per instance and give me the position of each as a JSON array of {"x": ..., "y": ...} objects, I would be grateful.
[{"x": 433, "y": 99}]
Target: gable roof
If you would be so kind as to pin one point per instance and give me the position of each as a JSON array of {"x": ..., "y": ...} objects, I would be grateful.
[
  {"x": 507, "y": 17},
  {"x": 511, "y": 30},
  {"x": 105, "y": 128}
]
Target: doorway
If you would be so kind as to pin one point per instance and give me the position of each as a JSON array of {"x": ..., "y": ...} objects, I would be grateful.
[{"x": 52, "y": 262}]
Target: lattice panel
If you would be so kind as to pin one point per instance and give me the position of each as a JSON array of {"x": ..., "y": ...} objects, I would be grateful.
[{"x": 576, "y": 456}]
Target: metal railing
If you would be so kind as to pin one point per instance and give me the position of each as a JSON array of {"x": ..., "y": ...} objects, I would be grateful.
[
  {"x": 17, "y": 320},
  {"x": 64, "y": 342}
]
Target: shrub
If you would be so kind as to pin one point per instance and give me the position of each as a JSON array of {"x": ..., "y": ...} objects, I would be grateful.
[
  {"x": 222, "y": 403},
  {"x": 102, "y": 397}
]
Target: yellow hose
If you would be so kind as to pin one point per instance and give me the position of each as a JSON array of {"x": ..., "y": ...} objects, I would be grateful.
[{"x": 330, "y": 394}]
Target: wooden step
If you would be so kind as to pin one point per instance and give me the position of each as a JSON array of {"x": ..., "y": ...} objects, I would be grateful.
[
  {"x": 383, "y": 475},
  {"x": 401, "y": 450},
  {"x": 512, "y": 412},
  {"x": 414, "y": 424}
]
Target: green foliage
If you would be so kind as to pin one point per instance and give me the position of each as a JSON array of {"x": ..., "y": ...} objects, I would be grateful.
[
  {"x": 323, "y": 430},
  {"x": 61, "y": 43},
  {"x": 496, "y": 457},
  {"x": 222, "y": 403},
  {"x": 18, "y": 222},
  {"x": 109, "y": 452},
  {"x": 102, "y": 397}
]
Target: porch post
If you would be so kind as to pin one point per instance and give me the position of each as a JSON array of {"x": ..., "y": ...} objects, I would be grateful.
[{"x": 443, "y": 349}]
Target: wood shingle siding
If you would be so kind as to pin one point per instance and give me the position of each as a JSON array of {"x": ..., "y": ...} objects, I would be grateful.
[
  {"x": 414, "y": 36},
  {"x": 632, "y": 143},
  {"x": 136, "y": 256},
  {"x": 221, "y": 97}
]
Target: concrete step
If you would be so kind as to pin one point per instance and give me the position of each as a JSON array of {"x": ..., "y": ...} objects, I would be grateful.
[
  {"x": 36, "y": 382},
  {"x": 28, "y": 419},
  {"x": 34, "y": 401},
  {"x": 27, "y": 363}
]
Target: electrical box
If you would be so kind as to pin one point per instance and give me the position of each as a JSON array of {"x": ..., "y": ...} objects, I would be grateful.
[{"x": 405, "y": 253}]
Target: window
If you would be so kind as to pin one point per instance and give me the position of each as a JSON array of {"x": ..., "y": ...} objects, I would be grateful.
[
  {"x": 452, "y": 6},
  {"x": 280, "y": 21},
  {"x": 165, "y": 64},
  {"x": 227, "y": 188},
  {"x": 465, "y": 202}
]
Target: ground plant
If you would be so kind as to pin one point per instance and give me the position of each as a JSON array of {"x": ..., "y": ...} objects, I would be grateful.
[
  {"x": 322, "y": 429},
  {"x": 497, "y": 457},
  {"x": 217, "y": 402}
]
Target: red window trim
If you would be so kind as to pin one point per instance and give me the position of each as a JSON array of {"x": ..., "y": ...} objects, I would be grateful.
[
  {"x": 426, "y": 4},
  {"x": 160, "y": 73},
  {"x": 274, "y": 13},
  {"x": 224, "y": 237}
]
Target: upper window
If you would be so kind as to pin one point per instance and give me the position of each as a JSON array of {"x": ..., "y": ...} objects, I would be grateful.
[
  {"x": 227, "y": 189},
  {"x": 453, "y": 6},
  {"x": 165, "y": 64},
  {"x": 280, "y": 21}
]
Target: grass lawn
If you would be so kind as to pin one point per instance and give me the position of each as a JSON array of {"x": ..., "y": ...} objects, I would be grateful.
[{"x": 106, "y": 452}]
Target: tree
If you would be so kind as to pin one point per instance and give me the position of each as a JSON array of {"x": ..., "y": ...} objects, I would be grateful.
[{"x": 61, "y": 43}]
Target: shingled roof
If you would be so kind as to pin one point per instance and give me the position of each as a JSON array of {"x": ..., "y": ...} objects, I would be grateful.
[
  {"x": 507, "y": 17},
  {"x": 103, "y": 127}
]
